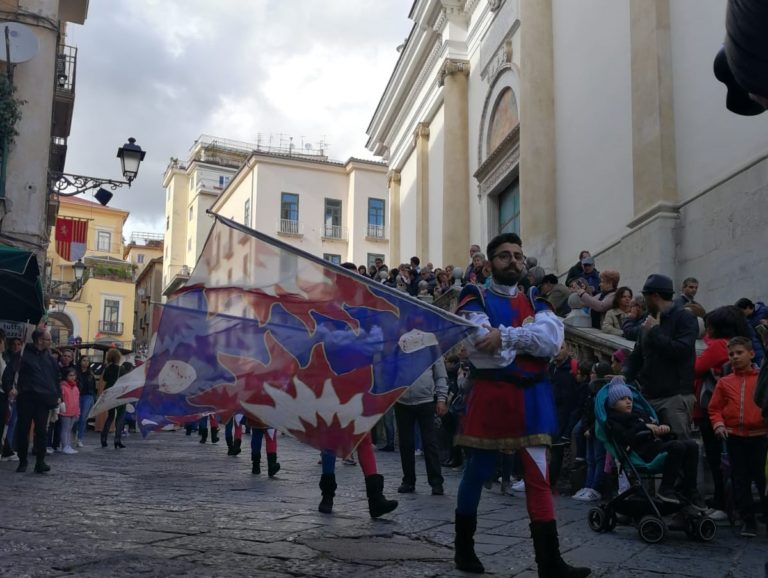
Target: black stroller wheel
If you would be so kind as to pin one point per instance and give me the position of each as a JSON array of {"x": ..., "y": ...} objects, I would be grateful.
[
  {"x": 691, "y": 528},
  {"x": 610, "y": 519},
  {"x": 706, "y": 529},
  {"x": 652, "y": 530},
  {"x": 596, "y": 519}
]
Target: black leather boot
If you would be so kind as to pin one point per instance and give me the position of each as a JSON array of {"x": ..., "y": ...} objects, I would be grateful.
[
  {"x": 230, "y": 443},
  {"x": 203, "y": 435},
  {"x": 328, "y": 489},
  {"x": 464, "y": 546},
  {"x": 547, "y": 549},
  {"x": 378, "y": 505},
  {"x": 40, "y": 466},
  {"x": 256, "y": 467},
  {"x": 214, "y": 435},
  {"x": 236, "y": 449},
  {"x": 273, "y": 466}
]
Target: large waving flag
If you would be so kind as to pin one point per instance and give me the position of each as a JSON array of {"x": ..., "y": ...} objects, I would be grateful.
[{"x": 305, "y": 346}]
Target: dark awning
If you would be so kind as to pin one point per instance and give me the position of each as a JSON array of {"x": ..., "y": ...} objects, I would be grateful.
[{"x": 21, "y": 292}]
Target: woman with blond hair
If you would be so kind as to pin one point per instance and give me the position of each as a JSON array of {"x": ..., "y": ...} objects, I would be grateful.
[
  {"x": 603, "y": 301},
  {"x": 112, "y": 372}
]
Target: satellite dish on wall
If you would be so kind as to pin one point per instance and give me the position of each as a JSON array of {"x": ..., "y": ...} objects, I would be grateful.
[{"x": 22, "y": 41}]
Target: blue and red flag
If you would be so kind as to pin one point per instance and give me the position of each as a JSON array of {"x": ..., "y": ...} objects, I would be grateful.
[{"x": 305, "y": 346}]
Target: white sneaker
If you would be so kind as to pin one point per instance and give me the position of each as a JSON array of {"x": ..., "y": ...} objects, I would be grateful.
[
  {"x": 592, "y": 495},
  {"x": 580, "y": 494},
  {"x": 48, "y": 450},
  {"x": 716, "y": 515},
  {"x": 418, "y": 453},
  {"x": 69, "y": 451},
  {"x": 518, "y": 486},
  {"x": 10, "y": 458},
  {"x": 79, "y": 444}
]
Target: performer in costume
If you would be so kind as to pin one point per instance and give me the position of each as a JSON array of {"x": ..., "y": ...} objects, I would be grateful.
[
  {"x": 257, "y": 434},
  {"x": 378, "y": 505},
  {"x": 510, "y": 405}
]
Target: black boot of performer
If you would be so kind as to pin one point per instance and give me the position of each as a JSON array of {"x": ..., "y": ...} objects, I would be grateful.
[
  {"x": 328, "y": 489},
  {"x": 230, "y": 442},
  {"x": 256, "y": 467},
  {"x": 464, "y": 547},
  {"x": 378, "y": 505},
  {"x": 547, "y": 549},
  {"x": 214, "y": 435},
  {"x": 273, "y": 466},
  {"x": 40, "y": 466},
  {"x": 203, "y": 435},
  {"x": 236, "y": 449}
]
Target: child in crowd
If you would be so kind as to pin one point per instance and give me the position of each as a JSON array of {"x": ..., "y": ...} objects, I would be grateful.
[
  {"x": 591, "y": 492},
  {"x": 70, "y": 397},
  {"x": 737, "y": 419},
  {"x": 637, "y": 430}
]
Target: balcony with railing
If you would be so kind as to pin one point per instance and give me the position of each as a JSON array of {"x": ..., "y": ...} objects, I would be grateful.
[
  {"x": 334, "y": 233},
  {"x": 64, "y": 95},
  {"x": 375, "y": 232},
  {"x": 111, "y": 327},
  {"x": 290, "y": 227}
]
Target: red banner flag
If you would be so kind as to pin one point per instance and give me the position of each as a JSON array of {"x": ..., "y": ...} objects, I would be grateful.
[{"x": 71, "y": 238}]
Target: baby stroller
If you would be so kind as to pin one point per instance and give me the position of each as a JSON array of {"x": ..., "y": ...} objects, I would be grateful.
[{"x": 637, "y": 503}]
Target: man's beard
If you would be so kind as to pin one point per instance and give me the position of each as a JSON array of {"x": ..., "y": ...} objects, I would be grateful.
[{"x": 509, "y": 277}]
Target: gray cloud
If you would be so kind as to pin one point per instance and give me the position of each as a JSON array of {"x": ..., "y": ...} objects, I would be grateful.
[{"x": 166, "y": 71}]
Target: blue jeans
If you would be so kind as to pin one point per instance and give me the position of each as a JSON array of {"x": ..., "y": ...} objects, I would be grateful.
[
  {"x": 580, "y": 440},
  {"x": 595, "y": 462},
  {"x": 12, "y": 417},
  {"x": 86, "y": 403}
]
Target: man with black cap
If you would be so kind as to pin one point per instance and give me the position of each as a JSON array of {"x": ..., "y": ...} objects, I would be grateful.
[{"x": 663, "y": 359}]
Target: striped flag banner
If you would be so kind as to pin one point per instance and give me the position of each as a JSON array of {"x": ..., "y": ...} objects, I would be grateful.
[{"x": 71, "y": 238}]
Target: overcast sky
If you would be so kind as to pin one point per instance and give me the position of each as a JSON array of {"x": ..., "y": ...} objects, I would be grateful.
[{"x": 167, "y": 71}]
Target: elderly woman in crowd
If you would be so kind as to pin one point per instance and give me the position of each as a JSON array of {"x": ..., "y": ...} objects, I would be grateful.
[
  {"x": 603, "y": 301},
  {"x": 614, "y": 319}
]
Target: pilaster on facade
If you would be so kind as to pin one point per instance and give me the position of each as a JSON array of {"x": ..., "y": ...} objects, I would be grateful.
[
  {"x": 393, "y": 186},
  {"x": 421, "y": 138}
]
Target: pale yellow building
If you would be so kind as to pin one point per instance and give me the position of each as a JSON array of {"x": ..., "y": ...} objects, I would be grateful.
[
  {"x": 100, "y": 307},
  {"x": 333, "y": 210}
]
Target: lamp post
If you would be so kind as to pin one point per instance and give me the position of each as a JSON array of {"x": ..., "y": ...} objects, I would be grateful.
[
  {"x": 88, "y": 308},
  {"x": 79, "y": 269},
  {"x": 130, "y": 155}
]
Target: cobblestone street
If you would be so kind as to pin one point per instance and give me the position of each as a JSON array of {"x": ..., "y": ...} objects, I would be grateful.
[{"x": 168, "y": 506}]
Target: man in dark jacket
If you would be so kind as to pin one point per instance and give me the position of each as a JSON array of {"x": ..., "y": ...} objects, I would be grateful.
[
  {"x": 663, "y": 359},
  {"x": 39, "y": 392}
]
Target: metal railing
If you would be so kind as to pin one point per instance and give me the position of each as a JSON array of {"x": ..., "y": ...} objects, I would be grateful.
[
  {"x": 111, "y": 327},
  {"x": 66, "y": 67},
  {"x": 334, "y": 232},
  {"x": 289, "y": 227},
  {"x": 375, "y": 231}
]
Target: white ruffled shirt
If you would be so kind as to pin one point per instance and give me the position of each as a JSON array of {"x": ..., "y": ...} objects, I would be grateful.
[{"x": 541, "y": 338}]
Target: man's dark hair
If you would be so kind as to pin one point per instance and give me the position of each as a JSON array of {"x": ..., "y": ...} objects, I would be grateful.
[
  {"x": 37, "y": 334},
  {"x": 550, "y": 278},
  {"x": 350, "y": 266},
  {"x": 745, "y": 342},
  {"x": 689, "y": 280},
  {"x": 745, "y": 303},
  {"x": 581, "y": 254},
  {"x": 500, "y": 240},
  {"x": 726, "y": 322},
  {"x": 416, "y": 261}
]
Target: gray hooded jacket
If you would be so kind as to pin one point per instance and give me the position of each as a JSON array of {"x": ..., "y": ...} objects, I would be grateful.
[{"x": 430, "y": 384}]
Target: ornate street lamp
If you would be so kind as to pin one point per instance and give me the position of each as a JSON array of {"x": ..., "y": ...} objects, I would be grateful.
[
  {"x": 130, "y": 155},
  {"x": 59, "y": 305},
  {"x": 79, "y": 269}
]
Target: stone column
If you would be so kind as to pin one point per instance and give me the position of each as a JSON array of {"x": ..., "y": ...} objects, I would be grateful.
[
  {"x": 453, "y": 79},
  {"x": 538, "y": 216},
  {"x": 653, "y": 120},
  {"x": 421, "y": 141},
  {"x": 653, "y": 133},
  {"x": 393, "y": 183}
]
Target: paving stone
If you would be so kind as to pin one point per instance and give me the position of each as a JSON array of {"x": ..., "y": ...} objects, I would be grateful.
[{"x": 168, "y": 506}]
